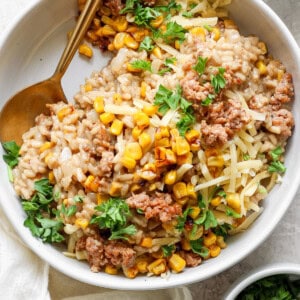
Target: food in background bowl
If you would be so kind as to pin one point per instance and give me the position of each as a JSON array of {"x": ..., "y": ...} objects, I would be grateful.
[{"x": 166, "y": 151}]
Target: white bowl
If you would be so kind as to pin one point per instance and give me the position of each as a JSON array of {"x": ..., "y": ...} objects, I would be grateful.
[
  {"x": 259, "y": 273},
  {"x": 29, "y": 51}
]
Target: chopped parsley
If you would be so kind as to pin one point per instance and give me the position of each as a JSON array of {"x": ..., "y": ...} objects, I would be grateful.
[
  {"x": 78, "y": 199},
  {"x": 208, "y": 219},
  {"x": 187, "y": 14},
  {"x": 166, "y": 99},
  {"x": 276, "y": 166},
  {"x": 182, "y": 219},
  {"x": 173, "y": 32},
  {"x": 144, "y": 15},
  {"x": 41, "y": 219},
  {"x": 218, "y": 81},
  {"x": 113, "y": 215},
  {"x": 232, "y": 213},
  {"x": 223, "y": 230},
  {"x": 197, "y": 247},
  {"x": 200, "y": 65},
  {"x": 68, "y": 211},
  {"x": 168, "y": 250},
  {"x": 166, "y": 68},
  {"x": 208, "y": 100},
  {"x": 246, "y": 156},
  {"x": 142, "y": 65},
  {"x": 11, "y": 157},
  {"x": 146, "y": 44},
  {"x": 279, "y": 287}
]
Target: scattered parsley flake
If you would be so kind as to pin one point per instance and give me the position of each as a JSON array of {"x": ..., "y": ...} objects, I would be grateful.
[
  {"x": 142, "y": 65},
  {"x": 200, "y": 65},
  {"x": 208, "y": 100},
  {"x": 168, "y": 250},
  {"x": 146, "y": 44},
  {"x": 276, "y": 166},
  {"x": 218, "y": 81},
  {"x": 232, "y": 213},
  {"x": 197, "y": 247},
  {"x": 276, "y": 153}
]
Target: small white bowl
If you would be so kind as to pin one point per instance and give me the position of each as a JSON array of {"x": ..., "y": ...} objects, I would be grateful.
[
  {"x": 29, "y": 52},
  {"x": 259, "y": 273}
]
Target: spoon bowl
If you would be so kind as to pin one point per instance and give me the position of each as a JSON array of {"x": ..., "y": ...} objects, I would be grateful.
[{"x": 19, "y": 113}]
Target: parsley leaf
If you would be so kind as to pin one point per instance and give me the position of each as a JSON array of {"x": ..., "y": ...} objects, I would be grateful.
[
  {"x": 167, "y": 250},
  {"x": 222, "y": 230},
  {"x": 169, "y": 61},
  {"x": 276, "y": 166},
  {"x": 276, "y": 153},
  {"x": 129, "y": 6},
  {"x": 142, "y": 65},
  {"x": 11, "y": 157},
  {"x": 146, "y": 44},
  {"x": 218, "y": 81},
  {"x": 184, "y": 124},
  {"x": 232, "y": 213},
  {"x": 182, "y": 219},
  {"x": 78, "y": 199},
  {"x": 172, "y": 6},
  {"x": 208, "y": 100},
  {"x": 173, "y": 32},
  {"x": 144, "y": 15},
  {"x": 207, "y": 27},
  {"x": 246, "y": 156},
  {"x": 197, "y": 247},
  {"x": 113, "y": 215},
  {"x": 208, "y": 219},
  {"x": 187, "y": 14},
  {"x": 200, "y": 65},
  {"x": 40, "y": 218}
]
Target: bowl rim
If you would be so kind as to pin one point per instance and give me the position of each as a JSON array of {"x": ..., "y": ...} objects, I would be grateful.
[
  {"x": 122, "y": 284},
  {"x": 258, "y": 273}
]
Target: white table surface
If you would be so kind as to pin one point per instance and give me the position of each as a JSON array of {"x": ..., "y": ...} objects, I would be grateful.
[{"x": 282, "y": 246}]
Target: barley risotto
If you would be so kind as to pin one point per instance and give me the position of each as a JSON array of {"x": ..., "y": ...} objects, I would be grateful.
[{"x": 167, "y": 150}]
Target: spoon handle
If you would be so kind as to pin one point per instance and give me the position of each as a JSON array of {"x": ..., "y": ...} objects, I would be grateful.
[{"x": 79, "y": 31}]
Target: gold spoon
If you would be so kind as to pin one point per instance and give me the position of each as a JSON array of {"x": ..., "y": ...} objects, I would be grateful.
[{"x": 20, "y": 111}]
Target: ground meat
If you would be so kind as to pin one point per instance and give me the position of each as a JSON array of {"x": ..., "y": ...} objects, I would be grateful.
[
  {"x": 101, "y": 253},
  {"x": 119, "y": 254},
  {"x": 223, "y": 120},
  {"x": 193, "y": 90},
  {"x": 149, "y": 2},
  {"x": 213, "y": 135},
  {"x": 283, "y": 119},
  {"x": 259, "y": 103},
  {"x": 192, "y": 259},
  {"x": 114, "y": 5},
  {"x": 102, "y": 141},
  {"x": 103, "y": 43},
  {"x": 106, "y": 164},
  {"x": 284, "y": 91},
  {"x": 158, "y": 206}
]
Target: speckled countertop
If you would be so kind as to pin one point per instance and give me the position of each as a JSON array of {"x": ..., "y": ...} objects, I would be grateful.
[{"x": 282, "y": 246}]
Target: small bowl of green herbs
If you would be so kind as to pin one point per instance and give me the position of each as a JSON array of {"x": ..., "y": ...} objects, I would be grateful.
[{"x": 280, "y": 281}]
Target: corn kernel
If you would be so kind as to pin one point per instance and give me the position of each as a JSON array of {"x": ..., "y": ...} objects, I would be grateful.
[
  {"x": 280, "y": 74},
  {"x": 119, "y": 40},
  {"x": 182, "y": 146},
  {"x": 85, "y": 50},
  {"x": 82, "y": 223},
  {"x": 191, "y": 191},
  {"x": 145, "y": 140},
  {"x": 163, "y": 132},
  {"x": 46, "y": 146},
  {"x": 194, "y": 212},
  {"x": 63, "y": 112},
  {"x": 107, "y": 118},
  {"x": 88, "y": 87},
  {"x": 261, "y": 67},
  {"x": 130, "y": 42},
  {"x": 220, "y": 242},
  {"x": 135, "y": 188},
  {"x": 179, "y": 190},
  {"x": 128, "y": 162},
  {"x": 150, "y": 110},
  {"x": 116, "y": 127},
  {"x": 142, "y": 266},
  {"x": 138, "y": 35},
  {"x": 216, "y": 201},
  {"x": 99, "y": 104},
  {"x": 209, "y": 239},
  {"x": 158, "y": 254},
  {"x": 48, "y": 157},
  {"x": 263, "y": 47},
  {"x": 214, "y": 250},
  {"x": 115, "y": 189},
  {"x": 131, "y": 272},
  {"x": 107, "y": 20},
  {"x": 185, "y": 244},
  {"x": 107, "y": 30},
  {"x": 92, "y": 36},
  {"x": 215, "y": 161},
  {"x": 157, "y": 267},
  {"x": 51, "y": 177},
  {"x": 185, "y": 159},
  {"x": 136, "y": 132},
  {"x": 157, "y": 21},
  {"x": 111, "y": 270},
  {"x": 111, "y": 47},
  {"x": 176, "y": 263},
  {"x": 104, "y": 10},
  {"x": 198, "y": 31},
  {"x": 229, "y": 24},
  {"x": 141, "y": 119},
  {"x": 120, "y": 23},
  {"x": 216, "y": 33},
  {"x": 143, "y": 90},
  {"x": 163, "y": 142},
  {"x": 192, "y": 135},
  {"x": 157, "y": 52},
  {"x": 146, "y": 242},
  {"x": 101, "y": 198},
  {"x": 133, "y": 150},
  {"x": 170, "y": 177},
  {"x": 233, "y": 200},
  {"x": 177, "y": 44},
  {"x": 152, "y": 187},
  {"x": 91, "y": 184}
]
